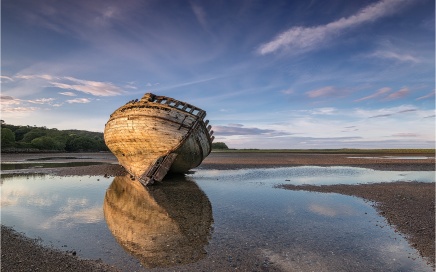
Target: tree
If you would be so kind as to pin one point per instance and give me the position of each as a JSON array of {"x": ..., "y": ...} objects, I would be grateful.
[
  {"x": 20, "y": 132},
  {"x": 219, "y": 145},
  {"x": 33, "y": 134},
  {"x": 8, "y": 138},
  {"x": 45, "y": 143},
  {"x": 82, "y": 143},
  {"x": 43, "y": 138}
]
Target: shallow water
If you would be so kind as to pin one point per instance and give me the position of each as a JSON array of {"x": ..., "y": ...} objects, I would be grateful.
[
  {"x": 219, "y": 220},
  {"x": 315, "y": 175},
  {"x": 395, "y": 157},
  {"x": 32, "y": 165}
]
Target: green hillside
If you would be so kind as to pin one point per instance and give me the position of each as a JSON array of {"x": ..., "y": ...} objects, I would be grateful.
[{"x": 36, "y": 139}]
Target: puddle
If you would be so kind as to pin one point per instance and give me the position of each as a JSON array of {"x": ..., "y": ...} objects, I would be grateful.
[
  {"x": 212, "y": 220},
  {"x": 315, "y": 175},
  {"x": 19, "y": 166},
  {"x": 395, "y": 157},
  {"x": 54, "y": 158}
]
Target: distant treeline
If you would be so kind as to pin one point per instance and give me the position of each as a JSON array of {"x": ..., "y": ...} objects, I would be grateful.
[
  {"x": 219, "y": 145},
  {"x": 34, "y": 139},
  {"x": 40, "y": 139}
]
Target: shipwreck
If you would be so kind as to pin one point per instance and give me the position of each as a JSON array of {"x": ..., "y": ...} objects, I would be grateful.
[{"x": 157, "y": 135}]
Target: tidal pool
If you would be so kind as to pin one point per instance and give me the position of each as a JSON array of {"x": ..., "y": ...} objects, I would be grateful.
[
  {"x": 31, "y": 165},
  {"x": 213, "y": 220},
  {"x": 395, "y": 157}
]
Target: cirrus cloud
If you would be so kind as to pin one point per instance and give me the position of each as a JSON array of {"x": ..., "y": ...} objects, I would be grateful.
[
  {"x": 429, "y": 95},
  {"x": 238, "y": 129},
  {"x": 310, "y": 38},
  {"x": 401, "y": 57},
  {"x": 398, "y": 94},
  {"x": 95, "y": 88},
  {"x": 379, "y": 93},
  {"x": 68, "y": 93},
  {"x": 78, "y": 100},
  {"x": 328, "y": 91}
]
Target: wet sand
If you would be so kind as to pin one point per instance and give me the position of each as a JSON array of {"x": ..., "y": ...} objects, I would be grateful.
[
  {"x": 407, "y": 206},
  {"x": 19, "y": 253}
]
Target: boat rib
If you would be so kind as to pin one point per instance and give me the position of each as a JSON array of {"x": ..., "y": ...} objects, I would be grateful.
[{"x": 156, "y": 135}]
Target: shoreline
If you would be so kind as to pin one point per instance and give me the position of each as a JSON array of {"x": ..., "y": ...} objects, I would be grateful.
[{"x": 401, "y": 203}]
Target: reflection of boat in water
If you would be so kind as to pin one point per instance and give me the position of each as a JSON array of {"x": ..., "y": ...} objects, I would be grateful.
[
  {"x": 158, "y": 134},
  {"x": 161, "y": 226}
]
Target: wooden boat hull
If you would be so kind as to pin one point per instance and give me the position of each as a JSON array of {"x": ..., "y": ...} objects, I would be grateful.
[{"x": 158, "y": 134}]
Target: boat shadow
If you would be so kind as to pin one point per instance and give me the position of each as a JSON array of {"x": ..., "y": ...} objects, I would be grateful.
[{"x": 165, "y": 225}]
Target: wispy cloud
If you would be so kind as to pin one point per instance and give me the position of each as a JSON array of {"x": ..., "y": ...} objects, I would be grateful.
[
  {"x": 71, "y": 18},
  {"x": 401, "y": 57},
  {"x": 398, "y": 94},
  {"x": 238, "y": 129},
  {"x": 310, "y": 38},
  {"x": 46, "y": 77},
  {"x": 381, "y": 115},
  {"x": 407, "y": 135},
  {"x": 10, "y": 104},
  {"x": 8, "y": 100},
  {"x": 288, "y": 91},
  {"x": 324, "y": 111},
  {"x": 189, "y": 83},
  {"x": 78, "y": 100},
  {"x": 379, "y": 93},
  {"x": 18, "y": 109},
  {"x": 328, "y": 91},
  {"x": 429, "y": 95},
  {"x": 96, "y": 88},
  {"x": 6, "y": 79},
  {"x": 41, "y": 101},
  {"x": 350, "y": 129},
  {"x": 200, "y": 14},
  {"x": 395, "y": 111},
  {"x": 68, "y": 93},
  {"x": 407, "y": 110}
]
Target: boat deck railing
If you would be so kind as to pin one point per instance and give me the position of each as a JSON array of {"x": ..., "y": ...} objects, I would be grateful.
[
  {"x": 182, "y": 106},
  {"x": 179, "y": 105}
]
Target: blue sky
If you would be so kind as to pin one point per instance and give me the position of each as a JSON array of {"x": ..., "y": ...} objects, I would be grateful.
[{"x": 270, "y": 74}]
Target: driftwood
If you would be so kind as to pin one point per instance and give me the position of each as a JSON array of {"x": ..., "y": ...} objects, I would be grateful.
[{"x": 156, "y": 135}]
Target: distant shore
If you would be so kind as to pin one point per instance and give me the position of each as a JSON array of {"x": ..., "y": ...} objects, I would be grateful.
[{"x": 407, "y": 206}]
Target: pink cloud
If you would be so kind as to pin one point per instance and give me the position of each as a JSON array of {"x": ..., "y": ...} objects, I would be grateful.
[
  {"x": 325, "y": 91},
  {"x": 379, "y": 93},
  {"x": 398, "y": 94}
]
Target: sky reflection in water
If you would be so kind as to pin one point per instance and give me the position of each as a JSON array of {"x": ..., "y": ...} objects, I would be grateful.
[
  {"x": 315, "y": 175},
  {"x": 251, "y": 224}
]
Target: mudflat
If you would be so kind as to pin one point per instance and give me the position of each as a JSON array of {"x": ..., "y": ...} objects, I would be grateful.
[{"x": 408, "y": 206}]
